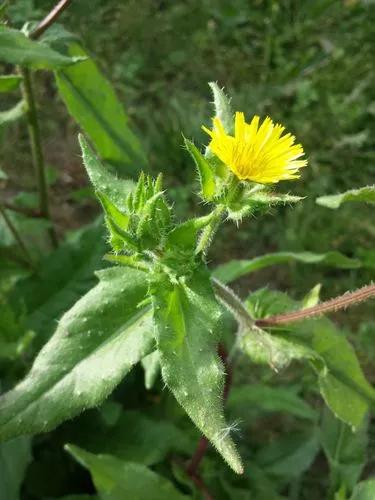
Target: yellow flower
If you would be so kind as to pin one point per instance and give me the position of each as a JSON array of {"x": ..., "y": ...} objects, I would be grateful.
[{"x": 257, "y": 153}]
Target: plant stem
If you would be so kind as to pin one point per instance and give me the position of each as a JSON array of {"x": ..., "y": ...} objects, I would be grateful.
[
  {"x": 16, "y": 235},
  {"x": 36, "y": 149},
  {"x": 203, "y": 444},
  {"x": 22, "y": 210},
  {"x": 50, "y": 18},
  {"x": 232, "y": 302},
  {"x": 333, "y": 305},
  {"x": 209, "y": 231}
]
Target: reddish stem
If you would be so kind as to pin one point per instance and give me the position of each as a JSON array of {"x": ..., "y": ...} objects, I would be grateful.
[
  {"x": 50, "y": 18},
  {"x": 341, "y": 302}
]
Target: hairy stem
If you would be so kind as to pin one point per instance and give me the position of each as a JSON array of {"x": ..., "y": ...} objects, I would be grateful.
[
  {"x": 50, "y": 18},
  {"x": 36, "y": 149},
  {"x": 332, "y": 305},
  {"x": 12, "y": 228},
  {"x": 209, "y": 231}
]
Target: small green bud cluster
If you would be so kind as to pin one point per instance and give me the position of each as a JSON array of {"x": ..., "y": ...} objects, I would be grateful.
[{"x": 145, "y": 222}]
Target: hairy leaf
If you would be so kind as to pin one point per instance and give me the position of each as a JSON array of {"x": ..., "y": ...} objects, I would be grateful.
[
  {"x": 17, "y": 48},
  {"x": 95, "y": 345},
  {"x": 92, "y": 102},
  {"x": 365, "y": 194},
  {"x": 340, "y": 377},
  {"x": 186, "y": 316},
  {"x": 205, "y": 172},
  {"x": 116, "y": 479},
  {"x": 223, "y": 108},
  {"x": 237, "y": 268},
  {"x": 103, "y": 181}
]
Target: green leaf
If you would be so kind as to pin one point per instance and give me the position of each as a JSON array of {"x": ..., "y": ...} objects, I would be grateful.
[
  {"x": 365, "y": 194},
  {"x": 9, "y": 82},
  {"x": 137, "y": 438},
  {"x": 103, "y": 181},
  {"x": 345, "y": 451},
  {"x": 121, "y": 219},
  {"x": 115, "y": 479},
  {"x": 72, "y": 268},
  {"x": 265, "y": 398},
  {"x": 237, "y": 268},
  {"x": 151, "y": 366},
  {"x": 340, "y": 377},
  {"x": 364, "y": 490},
  {"x": 223, "y": 108},
  {"x": 289, "y": 456},
  {"x": 272, "y": 350},
  {"x": 95, "y": 345},
  {"x": 13, "y": 114},
  {"x": 15, "y": 456},
  {"x": 17, "y": 48},
  {"x": 186, "y": 317},
  {"x": 205, "y": 172},
  {"x": 92, "y": 102}
]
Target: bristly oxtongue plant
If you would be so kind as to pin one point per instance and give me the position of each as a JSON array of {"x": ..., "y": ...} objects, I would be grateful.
[{"x": 159, "y": 303}]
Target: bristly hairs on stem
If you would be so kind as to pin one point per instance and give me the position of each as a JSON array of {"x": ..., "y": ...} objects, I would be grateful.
[{"x": 342, "y": 302}]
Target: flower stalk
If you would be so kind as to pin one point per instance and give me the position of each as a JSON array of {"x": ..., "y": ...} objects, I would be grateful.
[{"x": 37, "y": 150}]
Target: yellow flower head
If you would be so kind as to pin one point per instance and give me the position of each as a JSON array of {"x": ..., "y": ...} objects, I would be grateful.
[{"x": 258, "y": 153}]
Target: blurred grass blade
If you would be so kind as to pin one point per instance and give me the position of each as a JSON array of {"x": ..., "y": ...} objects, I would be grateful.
[
  {"x": 92, "y": 102},
  {"x": 9, "y": 82},
  {"x": 13, "y": 114},
  {"x": 365, "y": 194},
  {"x": 237, "y": 268},
  {"x": 17, "y": 48}
]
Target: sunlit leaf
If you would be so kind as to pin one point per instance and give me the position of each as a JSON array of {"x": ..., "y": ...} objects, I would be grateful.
[
  {"x": 186, "y": 317},
  {"x": 205, "y": 172},
  {"x": 92, "y": 102},
  {"x": 96, "y": 344}
]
